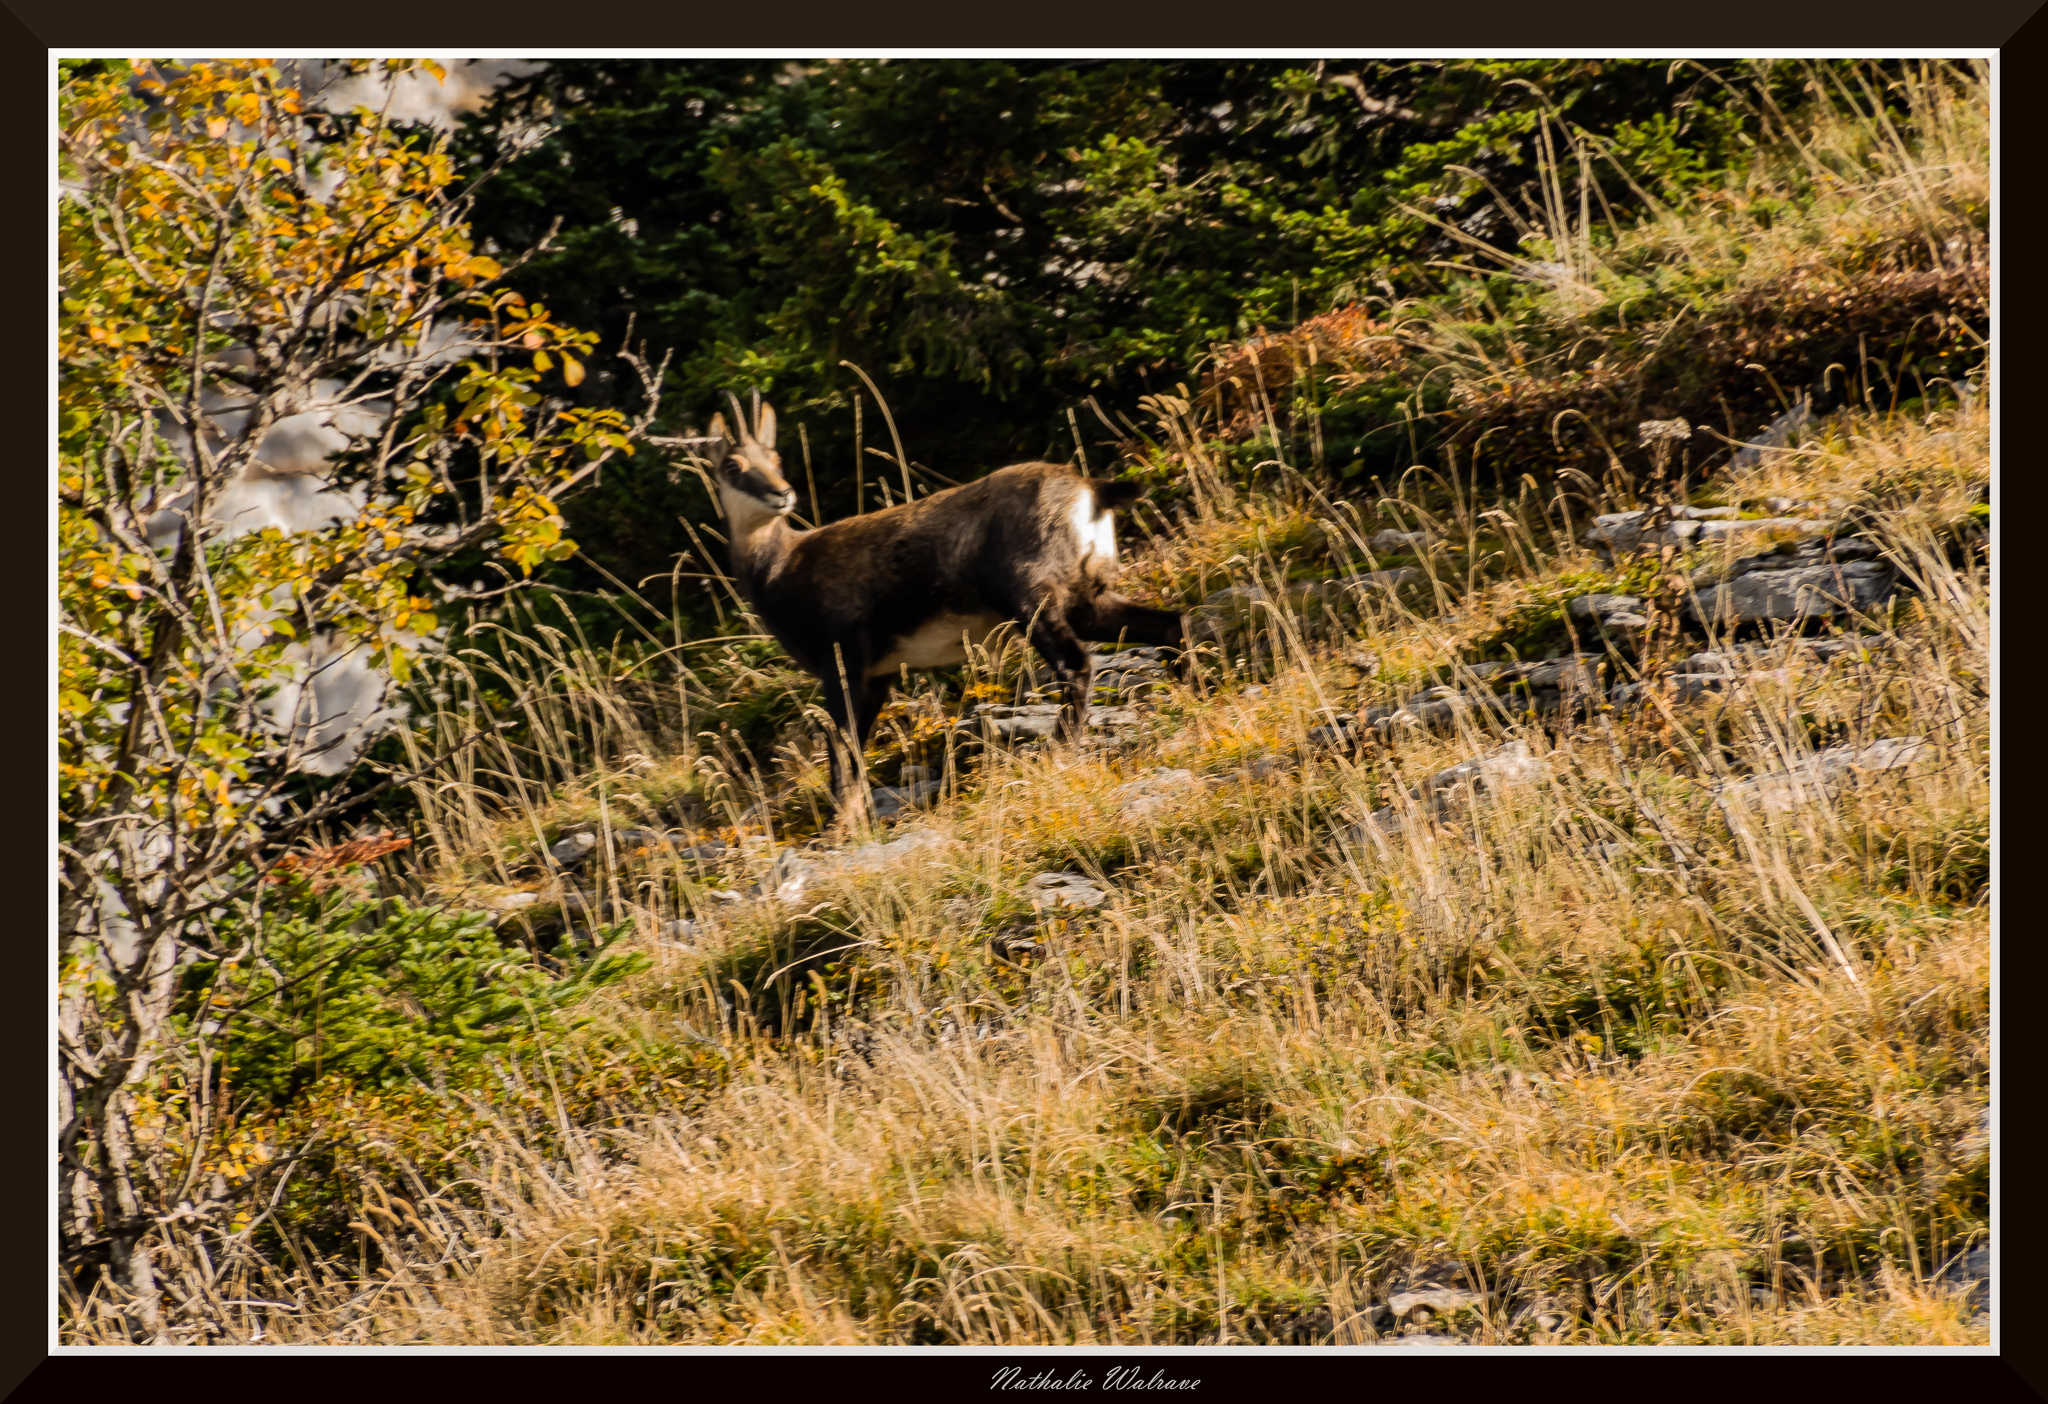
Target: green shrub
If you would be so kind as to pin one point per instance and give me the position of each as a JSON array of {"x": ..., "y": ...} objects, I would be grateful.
[{"x": 379, "y": 992}]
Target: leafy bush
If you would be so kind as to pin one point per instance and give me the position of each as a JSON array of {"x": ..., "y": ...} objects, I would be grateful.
[{"x": 381, "y": 993}]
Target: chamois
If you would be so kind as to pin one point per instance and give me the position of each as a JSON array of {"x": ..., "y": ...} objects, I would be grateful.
[{"x": 855, "y": 600}]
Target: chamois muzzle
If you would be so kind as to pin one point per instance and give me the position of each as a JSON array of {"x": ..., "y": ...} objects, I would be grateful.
[{"x": 766, "y": 487}]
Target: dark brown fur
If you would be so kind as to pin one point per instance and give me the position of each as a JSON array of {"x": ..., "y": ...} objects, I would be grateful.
[{"x": 841, "y": 596}]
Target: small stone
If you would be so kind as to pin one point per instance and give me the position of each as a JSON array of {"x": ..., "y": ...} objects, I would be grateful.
[
  {"x": 1822, "y": 775},
  {"x": 1034, "y": 721},
  {"x": 1066, "y": 892},
  {"x": 1623, "y": 619},
  {"x": 1398, "y": 541},
  {"x": 1337, "y": 735},
  {"x": 1234, "y": 597},
  {"x": 1389, "y": 579},
  {"x": 1254, "y": 693},
  {"x": 1978, "y": 1141},
  {"x": 1444, "y": 1301},
  {"x": 1267, "y": 767},
  {"x": 511, "y": 901},
  {"x": 890, "y": 801},
  {"x": 1600, "y": 606},
  {"x": 1155, "y": 789},
  {"x": 573, "y": 849},
  {"x": 1112, "y": 718}
]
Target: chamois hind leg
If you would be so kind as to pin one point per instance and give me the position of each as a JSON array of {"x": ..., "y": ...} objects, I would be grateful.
[
  {"x": 1060, "y": 646},
  {"x": 846, "y": 745},
  {"x": 1112, "y": 618}
]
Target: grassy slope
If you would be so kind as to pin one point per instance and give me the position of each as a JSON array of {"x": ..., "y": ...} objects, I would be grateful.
[
  {"x": 1277, "y": 1073},
  {"x": 1278, "y": 1076}
]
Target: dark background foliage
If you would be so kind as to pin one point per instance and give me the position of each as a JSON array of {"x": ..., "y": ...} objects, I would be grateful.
[{"x": 997, "y": 240}]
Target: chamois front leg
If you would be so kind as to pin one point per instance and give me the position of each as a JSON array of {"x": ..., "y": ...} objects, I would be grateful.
[
  {"x": 1060, "y": 646},
  {"x": 1111, "y": 618}
]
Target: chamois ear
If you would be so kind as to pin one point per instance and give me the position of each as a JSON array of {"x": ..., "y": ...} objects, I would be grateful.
[
  {"x": 764, "y": 426},
  {"x": 718, "y": 430},
  {"x": 739, "y": 417}
]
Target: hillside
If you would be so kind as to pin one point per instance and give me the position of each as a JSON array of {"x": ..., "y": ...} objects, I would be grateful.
[{"x": 1557, "y": 913}]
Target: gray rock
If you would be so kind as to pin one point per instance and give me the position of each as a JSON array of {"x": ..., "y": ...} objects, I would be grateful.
[
  {"x": 511, "y": 901},
  {"x": 1721, "y": 530},
  {"x": 1777, "y": 434},
  {"x": 1796, "y": 594},
  {"x": 1388, "y": 579},
  {"x": 1234, "y": 597},
  {"x": 1623, "y": 619},
  {"x": 1439, "y": 712},
  {"x": 920, "y": 845},
  {"x": 571, "y": 850},
  {"x": 1433, "y": 694},
  {"x": 1339, "y": 734},
  {"x": 1978, "y": 1140},
  {"x": 1132, "y": 665},
  {"x": 1500, "y": 769},
  {"x": 891, "y": 800},
  {"x": 1436, "y": 1298},
  {"x": 1398, "y": 541},
  {"x": 1038, "y": 721},
  {"x": 1822, "y": 775},
  {"x": 1155, "y": 789},
  {"x": 1268, "y": 766},
  {"x": 1623, "y": 532},
  {"x": 1065, "y": 892},
  {"x": 1112, "y": 718},
  {"x": 1600, "y": 606},
  {"x": 1972, "y": 1271},
  {"x": 1017, "y": 942},
  {"x": 1030, "y": 722},
  {"x": 1580, "y": 671}
]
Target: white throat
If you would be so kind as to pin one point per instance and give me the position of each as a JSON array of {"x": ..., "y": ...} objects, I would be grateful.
[{"x": 750, "y": 523}]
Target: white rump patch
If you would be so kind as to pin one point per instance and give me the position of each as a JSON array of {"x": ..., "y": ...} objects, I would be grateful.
[
  {"x": 940, "y": 642},
  {"x": 1094, "y": 534}
]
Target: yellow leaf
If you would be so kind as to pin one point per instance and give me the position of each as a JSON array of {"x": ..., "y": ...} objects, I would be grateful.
[{"x": 572, "y": 369}]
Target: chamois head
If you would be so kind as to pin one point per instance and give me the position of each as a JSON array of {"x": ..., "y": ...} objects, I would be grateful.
[{"x": 747, "y": 470}]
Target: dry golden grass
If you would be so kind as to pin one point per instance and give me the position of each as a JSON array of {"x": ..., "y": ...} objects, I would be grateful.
[
  {"x": 1629, "y": 1074},
  {"x": 1641, "y": 1101}
]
